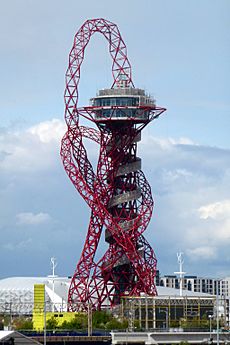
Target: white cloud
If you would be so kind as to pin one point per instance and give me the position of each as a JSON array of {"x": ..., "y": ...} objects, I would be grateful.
[
  {"x": 214, "y": 225},
  {"x": 171, "y": 176},
  {"x": 189, "y": 186},
  {"x": 29, "y": 218},
  {"x": 149, "y": 142},
  {"x": 202, "y": 253},
  {"x": 34, "y": 149},
  {"x": 48, "y": 131},
  {"x": 217, "y": 210},
  {"x": 223, "y": 232},
  {"x": 21, "y": 245}
]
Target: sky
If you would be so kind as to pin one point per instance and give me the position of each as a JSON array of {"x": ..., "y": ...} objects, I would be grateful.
[{"x": 180, "y": 52}]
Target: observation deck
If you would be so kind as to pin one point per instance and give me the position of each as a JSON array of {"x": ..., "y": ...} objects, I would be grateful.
[{"x": 122, "y": 104}]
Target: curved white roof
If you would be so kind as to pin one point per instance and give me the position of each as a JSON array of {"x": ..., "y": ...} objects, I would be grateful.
[
  {"x": 167, "y": 291},
  {"x": 17, "y": 293},
  {"x": 20, "y": 283}
]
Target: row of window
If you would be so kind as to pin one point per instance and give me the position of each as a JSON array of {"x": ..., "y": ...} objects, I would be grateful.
[
  {"x": 198, "y": 285},
  {"x": 122, "y": 113},
  {"x": 116, "y": 101}
]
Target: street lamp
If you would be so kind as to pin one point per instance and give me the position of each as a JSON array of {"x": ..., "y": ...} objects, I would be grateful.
[
  {"x": 217, "y": 312},
  {"x": 166, "y": 316},
  {"x": 44, "y": 341},
  {"x": 210, "y": 326}
]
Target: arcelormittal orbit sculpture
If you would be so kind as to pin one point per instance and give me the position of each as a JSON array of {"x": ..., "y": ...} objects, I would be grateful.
[{"x": 117, "y": 192}]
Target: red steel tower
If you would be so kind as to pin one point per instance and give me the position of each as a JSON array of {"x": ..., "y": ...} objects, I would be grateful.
[{"x": 117, "y": 192}]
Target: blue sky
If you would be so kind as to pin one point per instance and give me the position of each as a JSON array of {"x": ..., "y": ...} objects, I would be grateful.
[{"x": 179, "y": 51}]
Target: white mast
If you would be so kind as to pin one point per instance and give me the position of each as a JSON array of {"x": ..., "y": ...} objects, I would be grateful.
[
  {"x": 53, "y": 262},
  {"x": 181, "y": 273}
]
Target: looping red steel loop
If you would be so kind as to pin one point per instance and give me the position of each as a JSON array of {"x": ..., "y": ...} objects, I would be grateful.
[{"x": 117, "y": 193}]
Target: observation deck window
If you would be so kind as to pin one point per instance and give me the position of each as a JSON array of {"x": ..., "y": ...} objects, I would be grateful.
[
  {"x": 121, "y": 113},
  {"x": 115, "y": 101}
]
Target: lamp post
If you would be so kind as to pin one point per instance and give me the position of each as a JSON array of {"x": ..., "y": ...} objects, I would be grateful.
[
  {"x": 166, "y": 316},
  {"x": 210, "y": 326},
  {"x": 89, "y": 320},
  {"x": 217, "y": 314},
  {"x": 44, "y": 341}
]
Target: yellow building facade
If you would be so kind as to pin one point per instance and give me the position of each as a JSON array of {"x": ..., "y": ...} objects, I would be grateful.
[{"x": 40, "y": 316}]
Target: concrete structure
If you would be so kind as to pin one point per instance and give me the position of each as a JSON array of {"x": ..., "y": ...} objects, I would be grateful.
[{"x": 168, "y": 338}]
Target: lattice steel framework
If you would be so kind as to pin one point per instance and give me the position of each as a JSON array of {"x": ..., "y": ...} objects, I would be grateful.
[{"x": 117, "y": 193}]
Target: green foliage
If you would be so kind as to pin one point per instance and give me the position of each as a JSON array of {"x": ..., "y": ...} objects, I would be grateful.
[
  {"x": 65, "y": 325},
  {"x": 79, "y": 322},
  {"x": 26, "y": 325},
  {"x": 22, "y": 323},
  {"x": 203, "y": 323},
  {"x": 101, "y": 318},
  {"x": 195, "y": 323},
  {"x": 52, "y": 323},
  {"x": 136, "y": 325},
  {"x": 116, "y": 324},
  {"x": 6, "y": 320},
  {"x": 174, "y": 323}
]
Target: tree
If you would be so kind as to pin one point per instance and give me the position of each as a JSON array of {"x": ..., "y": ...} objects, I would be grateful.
[
  {"x": 52, "y": 323},
  {"x": 116, "y": 324},
  {"x": 79, "y": 322},
  {"x": 23, "y": 323},
  {"x": 101, "y": 318}
]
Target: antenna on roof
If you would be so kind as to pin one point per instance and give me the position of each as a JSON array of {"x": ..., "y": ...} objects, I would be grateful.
[
  {"x": 181, "y": 273},
  {"x": 53, "y": 263}
]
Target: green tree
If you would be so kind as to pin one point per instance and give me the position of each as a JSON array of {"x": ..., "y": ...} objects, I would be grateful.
[
  {"x": 52, "y": 323},
  {"x": 116, "y": 324},
  {"x": 23, "y": 323},
  {"x": 174, "y": 323},
  {"x": 79, "y": 322},
  {"x": 26, "y": 325},
  {"x": 101, "y": 318}
]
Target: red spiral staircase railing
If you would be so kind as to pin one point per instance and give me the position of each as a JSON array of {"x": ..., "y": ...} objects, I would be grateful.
[{"x": 117, "y": 192}]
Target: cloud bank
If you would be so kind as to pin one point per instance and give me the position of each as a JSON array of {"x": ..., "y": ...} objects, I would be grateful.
[
  {"x": 190, "y": 186},
  {"x": 29, "y": 218}
]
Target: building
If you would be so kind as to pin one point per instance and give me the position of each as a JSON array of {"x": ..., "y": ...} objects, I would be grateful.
[
  {"x": 17, "y": 298},
  {"x": 168, "y": 308},
  {"x": 17, "y": 293},
  {"x": 212, "y": 286}
]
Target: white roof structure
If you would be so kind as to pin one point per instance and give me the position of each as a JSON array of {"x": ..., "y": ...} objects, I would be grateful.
[
  {"x": 17, "y": 293},
  {"x": 18, "y": 338},
  {"x": 5, "y": 334},
  {"x": 167, "y": 291}
]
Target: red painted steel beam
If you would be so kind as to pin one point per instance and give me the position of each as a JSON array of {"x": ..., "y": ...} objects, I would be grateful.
[{"x": 129, "y": 264}]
